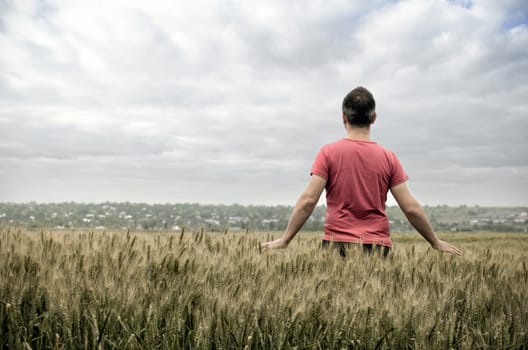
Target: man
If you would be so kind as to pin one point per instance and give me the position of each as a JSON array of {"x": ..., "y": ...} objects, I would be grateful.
[{"x": 357, "y": 174}]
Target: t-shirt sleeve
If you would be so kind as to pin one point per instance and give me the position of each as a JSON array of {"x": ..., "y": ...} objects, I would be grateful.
[
  {"x": 398, "y": 174},
  {"x": 320, "y": 165}
]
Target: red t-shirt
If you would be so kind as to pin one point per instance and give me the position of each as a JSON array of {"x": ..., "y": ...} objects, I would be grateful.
[{"x": 358, "y": 175}]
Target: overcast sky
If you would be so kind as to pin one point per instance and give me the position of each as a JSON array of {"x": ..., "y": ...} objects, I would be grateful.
[{"x": 229, "y": 101}]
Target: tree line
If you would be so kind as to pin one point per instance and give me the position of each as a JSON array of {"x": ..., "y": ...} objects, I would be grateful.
[{"x": 235, "y": 217}]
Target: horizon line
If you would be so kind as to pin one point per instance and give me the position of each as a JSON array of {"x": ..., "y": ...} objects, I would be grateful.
[{"x": 239, "y": 204}]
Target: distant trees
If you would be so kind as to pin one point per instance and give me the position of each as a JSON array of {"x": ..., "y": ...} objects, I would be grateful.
[{"x": 166, "y": 217}]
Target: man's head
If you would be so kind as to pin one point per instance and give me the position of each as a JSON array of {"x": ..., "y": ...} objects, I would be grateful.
[{"x": 359, "y": 107}]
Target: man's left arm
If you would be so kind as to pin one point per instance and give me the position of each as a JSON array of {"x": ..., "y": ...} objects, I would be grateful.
[{"x": 301, "y": 212}]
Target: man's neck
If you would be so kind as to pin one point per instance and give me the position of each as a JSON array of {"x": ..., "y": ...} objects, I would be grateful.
[{"x": 356, "y": 133}]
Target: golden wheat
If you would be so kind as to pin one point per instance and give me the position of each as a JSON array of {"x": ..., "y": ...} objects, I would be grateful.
[{"x": 218, "y": 290}]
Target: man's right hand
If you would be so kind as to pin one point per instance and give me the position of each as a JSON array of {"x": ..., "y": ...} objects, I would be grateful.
[
  {"x": 419, "y": 220},
  {"x": 445, "y": 247}
]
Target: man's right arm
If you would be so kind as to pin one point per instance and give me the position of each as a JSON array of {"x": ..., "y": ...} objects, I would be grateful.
[{"x": 418, "y": 219}]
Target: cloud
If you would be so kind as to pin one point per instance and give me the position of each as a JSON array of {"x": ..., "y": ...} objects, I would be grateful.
[{"x": 229, "y": 101}]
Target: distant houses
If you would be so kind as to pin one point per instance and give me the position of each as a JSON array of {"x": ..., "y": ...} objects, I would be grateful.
[{"x": 174, "y": 217}]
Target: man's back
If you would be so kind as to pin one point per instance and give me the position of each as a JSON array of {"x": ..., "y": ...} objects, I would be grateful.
[{"x": 358, "y": 175}]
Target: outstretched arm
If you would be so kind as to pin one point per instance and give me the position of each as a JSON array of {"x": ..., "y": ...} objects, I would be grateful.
[
  {"x": 301, "y": 212},
  {"x": 418, "y": 219}
]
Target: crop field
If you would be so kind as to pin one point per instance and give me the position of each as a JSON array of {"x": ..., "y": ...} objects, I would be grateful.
[{"x": 103, "y": 290}]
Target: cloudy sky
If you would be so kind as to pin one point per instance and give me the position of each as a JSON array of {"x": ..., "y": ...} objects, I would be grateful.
[{"x": 228, "y": 101}]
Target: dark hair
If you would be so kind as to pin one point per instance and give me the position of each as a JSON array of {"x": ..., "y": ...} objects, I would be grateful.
[{"x": 359, "y": 107}]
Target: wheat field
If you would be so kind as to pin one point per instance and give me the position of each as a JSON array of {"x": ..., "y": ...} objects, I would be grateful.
[{"x": 200, "y": 290}]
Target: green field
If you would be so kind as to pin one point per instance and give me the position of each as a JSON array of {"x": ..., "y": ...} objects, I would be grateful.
[{"x": 220, "y": 291}]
